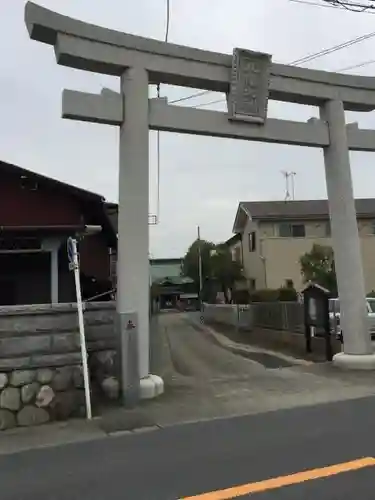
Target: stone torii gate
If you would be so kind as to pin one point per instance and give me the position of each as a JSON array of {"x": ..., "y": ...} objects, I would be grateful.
[{"x": 248, "y": 79}]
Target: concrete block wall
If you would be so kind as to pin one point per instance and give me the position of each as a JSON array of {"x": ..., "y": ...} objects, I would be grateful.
[{"x": 40, "y": 360}]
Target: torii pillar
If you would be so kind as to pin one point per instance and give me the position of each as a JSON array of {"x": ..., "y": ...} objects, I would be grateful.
[{"x": 129, "y": 111}]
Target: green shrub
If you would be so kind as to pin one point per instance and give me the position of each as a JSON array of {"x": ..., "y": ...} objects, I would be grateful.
[
  {"x": 266, "y": 295},
  {"x": 282, "y": 294},
  {"x": 241, "y": 296},
  {"x": 287, "y": 294}
]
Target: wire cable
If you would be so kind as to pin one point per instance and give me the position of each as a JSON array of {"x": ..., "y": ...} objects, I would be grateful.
[
  {"x": 202, "y": 104},
  {"x": 370, "y": 9},
  {"x": 354, "y": 66},
  {"x": 333, "y": 49},
  {"x": 350, "y": 5},
  {"x": 166, "y": 36},
  {"x": 197, "y": 94},
  {"x": 302, "y": 60},
  {"x": 315, "y": 4}
]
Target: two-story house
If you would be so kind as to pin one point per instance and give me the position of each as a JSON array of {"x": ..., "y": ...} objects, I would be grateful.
[{"x": 271, "y": 236}]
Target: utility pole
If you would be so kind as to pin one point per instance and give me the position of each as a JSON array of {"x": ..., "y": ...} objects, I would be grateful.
[{"x": 200, "y": 264}]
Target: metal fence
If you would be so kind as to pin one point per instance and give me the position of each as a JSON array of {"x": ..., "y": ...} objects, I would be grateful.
[
  {"x": 287, "y": 316},
  {"x": 225, "y": 314}
]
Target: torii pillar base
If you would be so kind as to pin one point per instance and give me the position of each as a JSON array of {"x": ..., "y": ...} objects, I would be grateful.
[
  {"x": 151, "y": 387},
  {"x": 361, "y": 362}
]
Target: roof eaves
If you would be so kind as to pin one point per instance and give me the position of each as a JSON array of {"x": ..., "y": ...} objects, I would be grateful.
[
  {"x": 300, "y": 217},
  {"x": 241, "y": 208},
  {"x": 233, "y": 239},
  {"x": 74, "y": 190}
]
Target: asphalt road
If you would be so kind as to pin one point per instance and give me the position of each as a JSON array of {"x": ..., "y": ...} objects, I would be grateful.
[{"x": 182, "y": 461}]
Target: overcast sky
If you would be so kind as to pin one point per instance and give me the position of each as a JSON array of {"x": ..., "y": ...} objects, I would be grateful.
[{"x": 202, "y": 179}]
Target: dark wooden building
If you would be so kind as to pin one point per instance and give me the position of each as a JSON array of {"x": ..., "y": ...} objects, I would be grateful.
[{"x": 37, "y": 215}]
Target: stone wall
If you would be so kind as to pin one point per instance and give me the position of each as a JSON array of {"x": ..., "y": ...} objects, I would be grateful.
[
  {"x": 32, "y": 397},
  {"x": 40, "y": 361}
]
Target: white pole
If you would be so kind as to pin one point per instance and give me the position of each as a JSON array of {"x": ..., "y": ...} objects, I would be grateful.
[{"x": 81, "y": 324}]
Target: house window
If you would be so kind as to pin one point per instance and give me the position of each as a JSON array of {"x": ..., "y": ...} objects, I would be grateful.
[
  {"x": 328, "y": 229},
  {"x": 252, "y": 241},
  {"x": 292, "y": 230},
  {"x": 252, "y": 284}
]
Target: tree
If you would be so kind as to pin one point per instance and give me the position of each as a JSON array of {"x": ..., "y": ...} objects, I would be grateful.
[
  {"x": 217, "y": 265},
  {"x": 224, "y": 269},
  {"x": 318, "y": 266},
  {"x": 190, "y": 264}
]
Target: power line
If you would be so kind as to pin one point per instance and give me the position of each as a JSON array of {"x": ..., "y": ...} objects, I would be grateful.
[
  {"x": 351, "y": 6},
  {"x": 208, "y": 103},
  {"x": 167, "y": 23},
  {"x": 354, "y": 66},
  {"x": 315, "y": 4},
  {"x": 333, "y": 49},
  {"x": 368, "y": 10},
  {"x": 302, "y": 60},
  {"x": 197, "y": 94}
]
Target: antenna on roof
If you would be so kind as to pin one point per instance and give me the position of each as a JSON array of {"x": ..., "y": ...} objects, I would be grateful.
[{"x": 289, "y": 176}]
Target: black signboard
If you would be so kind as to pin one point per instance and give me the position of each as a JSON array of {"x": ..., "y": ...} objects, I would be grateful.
[{"x": 316, "y": 315}]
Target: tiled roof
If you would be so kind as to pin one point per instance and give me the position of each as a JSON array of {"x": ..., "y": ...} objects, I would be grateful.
[{"x": 302, "y": 209}]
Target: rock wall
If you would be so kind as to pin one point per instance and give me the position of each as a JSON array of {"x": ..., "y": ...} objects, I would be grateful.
[
  {"x": 40, "y": 361},
  {"x": 32, "y": 397}
]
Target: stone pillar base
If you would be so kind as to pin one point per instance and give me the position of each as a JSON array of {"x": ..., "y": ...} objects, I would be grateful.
[
  {"x": 151, "y": 387},
  {"x": 354, "y": 361}
]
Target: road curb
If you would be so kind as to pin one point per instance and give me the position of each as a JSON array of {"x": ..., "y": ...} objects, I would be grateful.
[{"x": 244, "y": 350}]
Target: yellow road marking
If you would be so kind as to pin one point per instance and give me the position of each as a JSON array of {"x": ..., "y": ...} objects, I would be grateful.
[{"x": 279, "y": 482}]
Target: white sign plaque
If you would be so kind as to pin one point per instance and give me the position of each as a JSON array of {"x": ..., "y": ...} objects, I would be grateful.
[{"x": 248, "y": 94}]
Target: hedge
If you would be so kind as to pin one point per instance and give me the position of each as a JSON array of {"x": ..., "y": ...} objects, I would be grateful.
[{"x": 283, "y": 294}]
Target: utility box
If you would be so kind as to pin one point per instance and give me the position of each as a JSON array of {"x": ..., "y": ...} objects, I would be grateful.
[{"x": 316, "y": 315}]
